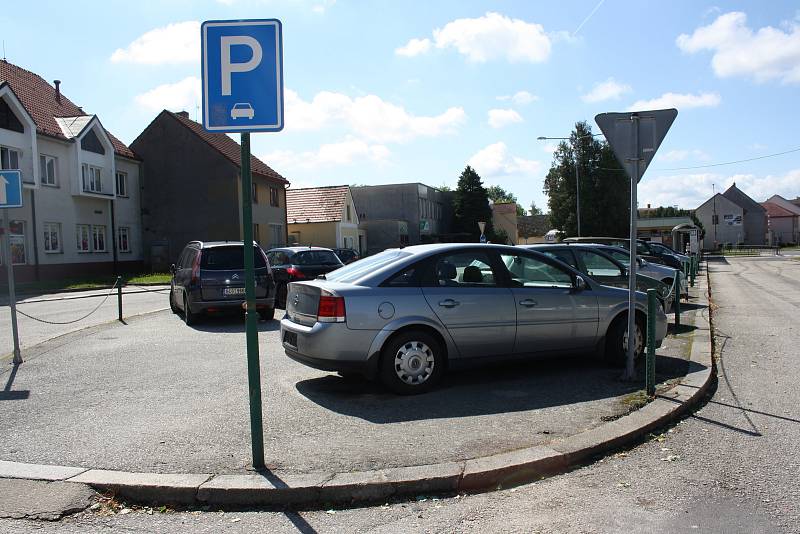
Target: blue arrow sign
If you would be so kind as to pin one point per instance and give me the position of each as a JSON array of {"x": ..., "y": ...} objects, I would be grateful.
[
  {"x": 242, "y": 75},
  {"x": 10, "y": 189}
]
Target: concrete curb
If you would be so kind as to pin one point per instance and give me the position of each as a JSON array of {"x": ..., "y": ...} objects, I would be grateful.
[{"x": 475, "y": 475}]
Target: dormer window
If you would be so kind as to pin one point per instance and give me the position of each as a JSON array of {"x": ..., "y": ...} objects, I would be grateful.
[
  {"x": 8, "y": 120},
  {"x": 91, "y": 143}
]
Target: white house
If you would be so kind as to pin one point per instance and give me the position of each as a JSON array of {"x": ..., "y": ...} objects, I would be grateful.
[{"x": 81, "y": 209}]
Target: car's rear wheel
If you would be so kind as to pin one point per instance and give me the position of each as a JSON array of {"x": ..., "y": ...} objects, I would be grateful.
[
  {"x": 172, "y": 304},
  {"x": 188, "y": 317},
  {"x": 266, "y": 314},
  {"x": 412, "y": 362},
  {"x": 617, "y": 340}
]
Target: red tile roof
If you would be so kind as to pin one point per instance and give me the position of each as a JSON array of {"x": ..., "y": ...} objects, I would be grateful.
[
  {"x": 773, "y": 210},
  {"x": 228, "y": 148},
  {"x": 316, "y": 204},
  {"x": 39, "y": 99}
]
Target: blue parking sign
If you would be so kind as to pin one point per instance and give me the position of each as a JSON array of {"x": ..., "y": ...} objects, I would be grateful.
[
  {"x": 10, "y": 189},
  {"x": 242, "y": 75}
]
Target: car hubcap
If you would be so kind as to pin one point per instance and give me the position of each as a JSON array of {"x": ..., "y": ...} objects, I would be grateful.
[
  {"x": 639, "y": 341},
  {"x": 414, "y": 363}
]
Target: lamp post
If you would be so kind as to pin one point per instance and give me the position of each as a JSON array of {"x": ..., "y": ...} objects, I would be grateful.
[{"x": 577, "y": 176}]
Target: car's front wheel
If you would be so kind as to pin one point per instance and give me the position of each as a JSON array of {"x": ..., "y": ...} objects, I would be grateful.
[
  {"x": 412, "y": 362},
  {"x": 617, "y": 340}
]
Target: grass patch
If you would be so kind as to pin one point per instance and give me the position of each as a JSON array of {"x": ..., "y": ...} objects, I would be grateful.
[
  {"x": 635, "y": 400},
  {"x": 154, "y": 278},
  {"x": 100, "y": 282}
]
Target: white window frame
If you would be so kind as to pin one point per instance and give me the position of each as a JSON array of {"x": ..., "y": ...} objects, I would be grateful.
[
  {"x": 9, "y": 150},
  {"x": 121, "y": 191},
  {"x": 94, "y": 174},
  {"x": 79, "y": 234},
  {"x": 97, "y": 230},
  {"x": 44, "y": 159},
  {"x": 127, "y": 231},
  {"x": 49, "y": 230}
]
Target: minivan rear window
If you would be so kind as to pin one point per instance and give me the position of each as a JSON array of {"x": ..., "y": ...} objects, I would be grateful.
[{"x": 230, "y": 258}]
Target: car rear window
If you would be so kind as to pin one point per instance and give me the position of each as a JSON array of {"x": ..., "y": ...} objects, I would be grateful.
[
  {"x": 316, "y": 257},
  {"x": 228, "y": 258},
  {"x": 360, "y": 268}
]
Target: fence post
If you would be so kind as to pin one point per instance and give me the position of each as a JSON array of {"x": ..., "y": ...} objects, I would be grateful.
[
  {"x": 650, "y": 363},
  {"x": 677, "y": 301},
  {"x": 692, "y": 271},
  {"x": 119, "y": 299}
]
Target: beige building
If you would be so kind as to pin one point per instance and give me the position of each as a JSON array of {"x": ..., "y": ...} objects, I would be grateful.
[
  {"x": 324, "y": 217},
  {"x": 504, "y": 217}
]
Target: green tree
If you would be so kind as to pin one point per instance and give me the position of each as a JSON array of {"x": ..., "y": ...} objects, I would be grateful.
[
  {"x": 604, "y": 187},
  {"x": 470, "y": 205},
  {"x": 497, "y": 194},
  {"x": 535, "y": 210}
]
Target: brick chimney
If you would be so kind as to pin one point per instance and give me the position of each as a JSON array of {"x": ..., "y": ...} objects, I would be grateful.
[{"x": 57, "y": 83}]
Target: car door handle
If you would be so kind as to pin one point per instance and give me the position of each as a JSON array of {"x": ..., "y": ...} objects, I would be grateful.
[
  {"x": 528, "y": 303},
  {"x": 449, "y": 303}
]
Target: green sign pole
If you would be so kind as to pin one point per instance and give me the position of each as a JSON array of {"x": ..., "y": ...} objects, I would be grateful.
[{"x": 251, "y": 314}]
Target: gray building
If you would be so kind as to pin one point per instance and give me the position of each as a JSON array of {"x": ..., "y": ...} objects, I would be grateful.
[
  {"x": 733, "y": 218},
  {"x": 403, "y": 214},
  {"x": 191, "y": 190}
]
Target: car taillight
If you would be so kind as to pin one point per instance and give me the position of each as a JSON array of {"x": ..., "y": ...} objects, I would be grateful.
[
  {"x": 196, "y": 268},
  {"x": 295, "y": 273},
  {"x": 331, "y": 308}
]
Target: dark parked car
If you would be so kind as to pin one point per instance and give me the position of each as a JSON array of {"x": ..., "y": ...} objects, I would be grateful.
[
  {"x": 347, "y": 255},
  {"x": 209, "y": 277},
  {"x": 293, "y": 264},
  {"x": 643, "y": 248}
]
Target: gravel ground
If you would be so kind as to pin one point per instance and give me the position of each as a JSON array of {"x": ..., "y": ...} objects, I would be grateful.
[{"x": 731, "y": 467}]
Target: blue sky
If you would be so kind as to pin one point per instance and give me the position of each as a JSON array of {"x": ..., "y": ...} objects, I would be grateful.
[{"x": 386, "y": 92}]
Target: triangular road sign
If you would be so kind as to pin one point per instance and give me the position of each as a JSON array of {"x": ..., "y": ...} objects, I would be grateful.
[{"x": 622, "y": 129}]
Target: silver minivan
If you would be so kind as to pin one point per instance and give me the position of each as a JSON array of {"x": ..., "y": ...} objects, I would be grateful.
[{"x": 406, "y": 315}]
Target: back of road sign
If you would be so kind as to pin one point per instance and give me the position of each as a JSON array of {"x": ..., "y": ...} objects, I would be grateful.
[
  {"x": 242, "y": 75},
  {"x": 10, "y": 189},
  {"x": 618, "y": 130}
]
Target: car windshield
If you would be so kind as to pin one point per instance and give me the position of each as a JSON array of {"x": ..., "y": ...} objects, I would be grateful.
[
  {"x": 359, "y": 268},
  {"x": 315, "y": 257},
  {"x": 230, "y": 258}
]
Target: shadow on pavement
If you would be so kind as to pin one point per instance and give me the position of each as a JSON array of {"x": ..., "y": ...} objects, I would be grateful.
[
  {"x": 672, "y": 328},
  {"x": 7, "y": 394},
  {"x": 230, "y": 323},
  {"x": 502, "y": 388},
  {"x": 689, "y": 306}
]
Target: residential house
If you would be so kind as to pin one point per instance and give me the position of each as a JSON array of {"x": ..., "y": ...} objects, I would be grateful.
[
  {"x": 504, "y": 217},
  {"x": 324, "y": 217},
  {"x": 732, "y": 217},
  {"x": 783, "y": 221},
  {"x": 192, "y": 189},
  {"x": 80, "y": 213},
  {"x": 398, "y": 215}
]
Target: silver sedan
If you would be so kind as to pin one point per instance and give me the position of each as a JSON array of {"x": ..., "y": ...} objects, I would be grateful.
[{"x": 406, "y": 315}]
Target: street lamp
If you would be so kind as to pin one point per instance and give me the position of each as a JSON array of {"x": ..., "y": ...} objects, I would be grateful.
[{"x": 577, "y": 182}]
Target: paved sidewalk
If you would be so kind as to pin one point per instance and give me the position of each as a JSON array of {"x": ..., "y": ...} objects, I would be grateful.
[{"x": 155, "y": 396}]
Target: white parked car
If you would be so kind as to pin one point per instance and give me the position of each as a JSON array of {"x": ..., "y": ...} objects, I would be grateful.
[{"x": 242, "y": 110}]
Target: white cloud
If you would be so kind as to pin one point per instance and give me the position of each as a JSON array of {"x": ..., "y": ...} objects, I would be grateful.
[
  {"x": 520, "y": 98},
  {"x": 607, "y": 90},
  {"x": 766, "y": 54},
  {"x": 323, "y": 6},
  {"x": 679, "y": 101},
  {"x": 182, "y": 95},
  {"x": 369, "y": 117},
  {"x": 550, "y": 147},
  {"x": 174, "y": 43},
  {"x": 414, "y": 47},
  {"x": 494, "y": 36},
  {"x": 689, "y": 191},
  {"x": 342, "y": 153},
  {"x": 757, "y": 146},
  {"x": 495, "y": 160},
  {"x": 681, "y": 155},
  {"x": 503, "y": 117}
]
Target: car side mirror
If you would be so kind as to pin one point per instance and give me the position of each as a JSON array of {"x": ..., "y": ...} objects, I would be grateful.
[
  {"x": 580, "y": 283},
  {"x": 172, "y": 268}
]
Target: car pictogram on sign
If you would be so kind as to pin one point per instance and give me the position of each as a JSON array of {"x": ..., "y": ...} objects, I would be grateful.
[{"x": 242, "y": 110}]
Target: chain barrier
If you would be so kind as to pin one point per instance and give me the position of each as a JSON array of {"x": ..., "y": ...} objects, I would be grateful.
[
  {"x": 144, "y": 289},
  {"x": 76, "y": 320}
]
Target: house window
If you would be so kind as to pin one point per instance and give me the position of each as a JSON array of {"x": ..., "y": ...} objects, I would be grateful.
[
  {"x": 348, "y": 213},
  {"x": 277, "y": 236},
  {"x": 47, "y": 166},
  {"x": 8, "y": 120},
  {"x": 92, "y": 178},
  {"x": 82, "y": 232},
  {"x": 257, "y": 233},
  {"x": 122, "y": 184},
  {"x": 91, "y": 143},
  {"x": 52, "y": 237},
  {"x": 9, "y": 158},
  {"x": 124, "y": 239},
  {"x": 255, "y": 193},
  {"x": 17, "y": 241},
  {"x": 99, "y": 238},
  {"x": 273, "y": 197}
]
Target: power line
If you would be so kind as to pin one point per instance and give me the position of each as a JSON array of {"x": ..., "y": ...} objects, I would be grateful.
[{"x": 715, "y": 164}]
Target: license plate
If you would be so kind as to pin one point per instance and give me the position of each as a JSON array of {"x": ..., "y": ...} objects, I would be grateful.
[
  {"x": 233, "y": 291},
  {"x": 290, "y": 338}
]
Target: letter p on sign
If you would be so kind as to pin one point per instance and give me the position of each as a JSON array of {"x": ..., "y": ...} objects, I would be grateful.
[{"x": 242, "y": 75}]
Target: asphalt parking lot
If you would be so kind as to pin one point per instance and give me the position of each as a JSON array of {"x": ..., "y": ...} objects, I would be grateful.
[{"x": 156, "y": 395}]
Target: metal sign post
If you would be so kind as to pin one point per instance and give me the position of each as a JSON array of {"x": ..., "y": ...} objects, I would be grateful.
[
  {"x": 634, "y": 137},
  {"x": 243, "y": 92},
  {"x": 11, "y": 197}
]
